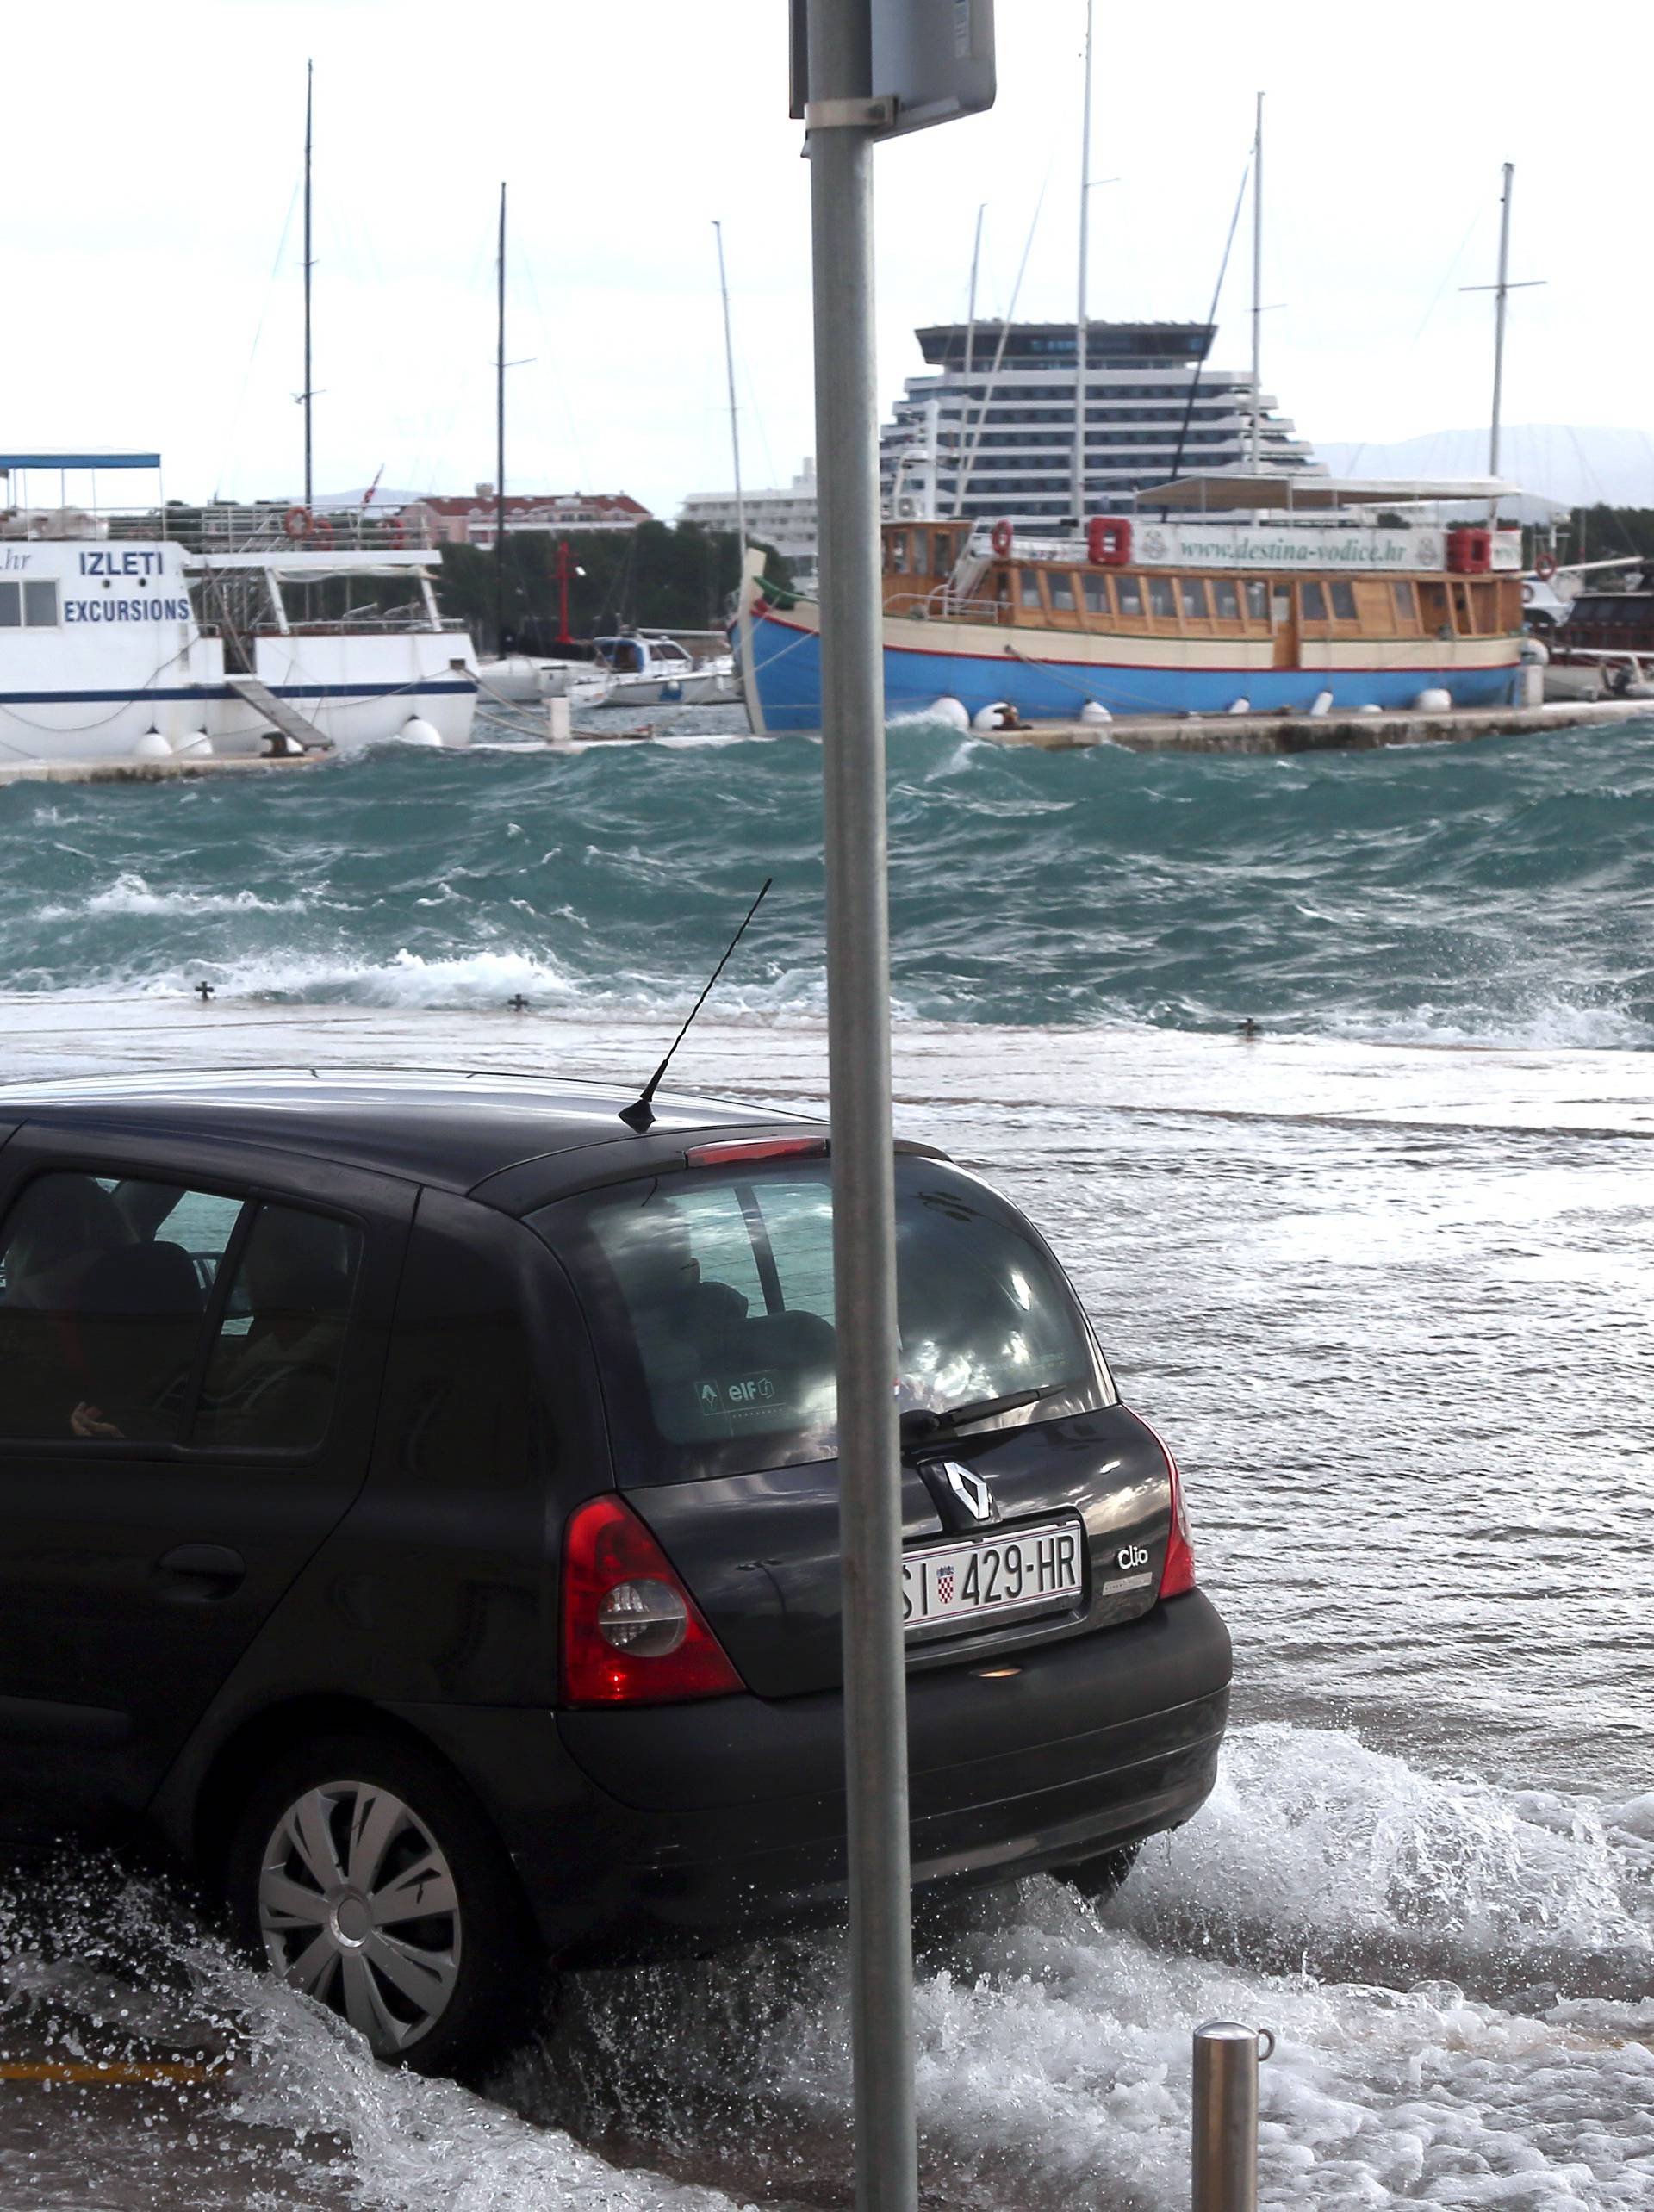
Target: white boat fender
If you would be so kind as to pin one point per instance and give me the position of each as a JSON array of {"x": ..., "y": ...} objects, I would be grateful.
[
  {"x": 418, "y": 731},
  {"x": 151, "y": 746},
  {"x": 1239, "y": 706},
  {"x": 1323, "y": 703},
  {"x": 950, "y": 712},
  {"x": 1433, "y": 701},
  {"x": 1369, "y": 706},
  {"x": 1094, "y": 711},
  {"x": 1536, "y": 654},
  {"x": 999, "y": 714},
  {"x": 193, "y": 745}
]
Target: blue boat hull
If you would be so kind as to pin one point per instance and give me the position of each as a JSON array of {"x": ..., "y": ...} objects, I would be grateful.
[{"x": 786, "y": 663}]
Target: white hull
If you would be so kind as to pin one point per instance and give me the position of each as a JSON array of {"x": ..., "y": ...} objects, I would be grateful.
[
  {"x": 121, "y": 666},
  {"x": 706, "y": 687}
]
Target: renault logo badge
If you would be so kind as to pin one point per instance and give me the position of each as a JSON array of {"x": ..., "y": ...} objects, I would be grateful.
[{"x": 971, "y": 1490}]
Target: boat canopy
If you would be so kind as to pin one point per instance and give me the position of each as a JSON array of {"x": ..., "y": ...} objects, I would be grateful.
[
  {"x": 9, "y": 460},
  {"x": 1233, "y": 491}
]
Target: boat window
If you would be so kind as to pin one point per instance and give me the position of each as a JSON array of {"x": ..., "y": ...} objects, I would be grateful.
[
  {"x": 1406, "y": 615},
  {"x": 1030, "y": 587},
  {"x": 1097, "y": 593},
  {"x": 1194, "y": 598},
  {"x": 40, "y": 603},
  {"x": 11, "y": 606},
  {"x": 1462, "y": 609},
  {"x": 1061, "y": 585},
  {"x": 899, "y": 552},
  {"x": 1344, "y": 602},
  {"x": 1314, "y": 603},
  {"x": 1225, "y": 599},
  {"x": 1161, "y": 604},
  {"x": 1131, "y": 591},
  {"x": 1257, "y": 599}
]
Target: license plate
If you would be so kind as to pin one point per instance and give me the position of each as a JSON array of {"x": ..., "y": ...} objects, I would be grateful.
[{"x": 1021, "y": 1572}]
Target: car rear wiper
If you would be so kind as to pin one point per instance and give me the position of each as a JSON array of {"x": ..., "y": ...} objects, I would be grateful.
[{"x": 920, "y": 1423}]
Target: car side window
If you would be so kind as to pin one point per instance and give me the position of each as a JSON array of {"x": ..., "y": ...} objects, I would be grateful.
[
  {"x": 273, "y": 1370},
  {"x": 104, "y": 1284}
]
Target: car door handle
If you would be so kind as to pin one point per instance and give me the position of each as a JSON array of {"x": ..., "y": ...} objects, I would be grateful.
[{"x": 199, "y": 1572}]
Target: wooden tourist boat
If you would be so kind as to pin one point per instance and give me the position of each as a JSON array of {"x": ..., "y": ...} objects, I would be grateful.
[{"x": 1269, "y": 591}]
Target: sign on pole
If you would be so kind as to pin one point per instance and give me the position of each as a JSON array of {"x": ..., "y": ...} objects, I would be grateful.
[
  {"x": 939, "y": 57},
  {"x": 930, "y": 60}
]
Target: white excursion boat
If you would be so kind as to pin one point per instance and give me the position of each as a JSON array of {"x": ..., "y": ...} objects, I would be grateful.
[
  {"x": 647, "y": 668},
  {"x": 143, "y": 633}
]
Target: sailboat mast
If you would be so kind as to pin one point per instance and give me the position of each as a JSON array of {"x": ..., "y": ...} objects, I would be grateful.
[
  {"x": 970, "y": 366},
  {"x": 735, "y": 418},
  {"x": 499, "y": 448},
  {"x": 742, "y": 608},
  {"x": 1500, "y": 292},
  {"x": 309, "y": 474},
  {"x": 1081, "y": 328},
  {"x": 1257, "y": 288}
]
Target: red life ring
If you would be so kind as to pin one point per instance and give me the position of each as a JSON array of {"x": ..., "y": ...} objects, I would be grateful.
[
  {"x": 321, "y": 530},
  {"x": 1108, "y": 541},
  {"x": 296, "y": 522},
  {"x": 396, "y": 536},
  {"x": 1002, "y": 537},
  {"x": 1545, "y": 565}
]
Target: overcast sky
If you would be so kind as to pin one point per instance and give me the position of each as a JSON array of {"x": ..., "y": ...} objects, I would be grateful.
[{"x": 153, "y": 240}]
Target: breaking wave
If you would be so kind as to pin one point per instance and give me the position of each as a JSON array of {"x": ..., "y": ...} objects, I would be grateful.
[{"x": 1491, "y": 894}]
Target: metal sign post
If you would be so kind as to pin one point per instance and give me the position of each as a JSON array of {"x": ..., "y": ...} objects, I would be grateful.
[{"x": 845, "y": 109}]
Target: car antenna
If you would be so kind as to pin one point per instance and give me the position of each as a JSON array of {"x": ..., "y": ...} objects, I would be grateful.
[{"x": 640, "y": 1115}]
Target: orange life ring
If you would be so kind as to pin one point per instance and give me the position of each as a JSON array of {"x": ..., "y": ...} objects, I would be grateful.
[
  {"x": 1545, "y": 565},
  {"x": 296, "y": 522},
  {"x": 1002, "y": 537}
]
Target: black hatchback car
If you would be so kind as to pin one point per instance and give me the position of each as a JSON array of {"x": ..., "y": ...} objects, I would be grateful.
[{"x": 418, "y": 1503}]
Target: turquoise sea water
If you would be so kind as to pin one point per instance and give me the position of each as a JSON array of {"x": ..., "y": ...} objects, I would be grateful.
[{"x": 1495, "y": 892}]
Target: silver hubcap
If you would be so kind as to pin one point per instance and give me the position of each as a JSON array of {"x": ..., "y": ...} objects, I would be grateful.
[{"x": 357, "y": 1908}]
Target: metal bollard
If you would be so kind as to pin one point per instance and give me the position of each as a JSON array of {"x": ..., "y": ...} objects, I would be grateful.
[{"x": 1224, "y": 2147}]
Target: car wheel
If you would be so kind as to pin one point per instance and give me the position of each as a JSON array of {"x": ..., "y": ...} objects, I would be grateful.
[
  {"x": 369, "y": 1879},
  {"x": 1098, "y": 1879}
]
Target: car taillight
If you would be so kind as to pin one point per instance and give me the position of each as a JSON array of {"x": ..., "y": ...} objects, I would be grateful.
[
  {"x": 632, "y": 1633},
  {"x": 1177, "y": 1574}
]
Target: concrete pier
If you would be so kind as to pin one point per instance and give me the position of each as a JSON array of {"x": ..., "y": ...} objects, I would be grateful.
[
  {"x": 180, "y": 768},
  {"x": 1316, "y": 733}
]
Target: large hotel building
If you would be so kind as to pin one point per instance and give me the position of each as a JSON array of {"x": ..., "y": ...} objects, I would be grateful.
[{"x": 1153, "y": 409}]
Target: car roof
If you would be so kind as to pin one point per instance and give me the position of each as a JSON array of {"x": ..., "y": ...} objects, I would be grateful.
[{"x": 451, "y": 1128}]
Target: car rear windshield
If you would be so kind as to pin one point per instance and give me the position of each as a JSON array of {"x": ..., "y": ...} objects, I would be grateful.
[{"x": 710, "y": 1293}]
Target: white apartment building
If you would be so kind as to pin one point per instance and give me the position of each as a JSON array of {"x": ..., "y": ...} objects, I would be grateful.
[{"x": 785, "y": 519}]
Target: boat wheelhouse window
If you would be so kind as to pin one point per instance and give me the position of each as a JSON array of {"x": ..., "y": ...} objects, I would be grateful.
[
  {"x": 1257, "y": 599},
  {"x": 1314, "y": 603},
  {"x": 1030, "y": 587},
  {"x": 1131, "y": 591},
  {"x": 30, "y": 605},
  {"x": 1194, "y": 598},
  {"x": 1095, "y": 589},
  {"x": 1225, "y": 599},
  {"x": 1343, "y": 602},
  {"x": 1061, "y": 585},
  {"x": 1407, "y": 615},
  {"x": 1462, "y": 609},
  {"x": 1162, "y": 602},
  {"x": 898, "y": 544}
]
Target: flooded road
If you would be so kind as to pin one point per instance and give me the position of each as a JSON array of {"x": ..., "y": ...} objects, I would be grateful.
[{"x": 1391, "y": 1306}]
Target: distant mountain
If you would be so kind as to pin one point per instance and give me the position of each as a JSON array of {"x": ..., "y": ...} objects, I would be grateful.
[{"x": 1576, "y": 467}]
